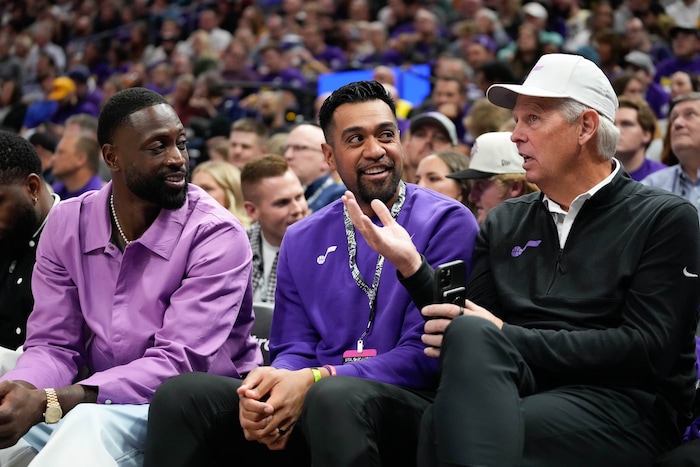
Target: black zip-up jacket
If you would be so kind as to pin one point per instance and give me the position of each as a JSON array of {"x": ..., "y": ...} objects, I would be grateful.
[{"x": 616, "y": 307}]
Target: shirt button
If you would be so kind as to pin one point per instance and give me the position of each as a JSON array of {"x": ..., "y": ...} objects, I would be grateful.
[
  {"x": 108, "y": 402},
  {"x": 19, "y": 281},
  {"x": 18, "y": 331},
  {"x": 111, "y": 247},
  {"x": 32, "y": 243}
]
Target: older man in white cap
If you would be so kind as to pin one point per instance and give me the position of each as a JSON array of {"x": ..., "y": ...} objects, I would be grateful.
[
  {"x": 496, "y": 171},
  {"x": 576, "y": 345}
]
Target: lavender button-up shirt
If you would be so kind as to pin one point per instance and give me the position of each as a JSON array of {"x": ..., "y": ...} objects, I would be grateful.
[{"x": 178, "y": 299}]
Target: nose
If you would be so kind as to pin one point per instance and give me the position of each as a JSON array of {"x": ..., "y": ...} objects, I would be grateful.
[
  {"x": 299, "y": 207},
  {"x": 176, "y": 156},
  {"x": 421, "y": 182},
  {"x": 517, "y": 135},
  {"x": 374, "y": 148}
]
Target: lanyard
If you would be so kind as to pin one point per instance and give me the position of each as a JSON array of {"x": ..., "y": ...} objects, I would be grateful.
[{"x": 371, "y": 291}]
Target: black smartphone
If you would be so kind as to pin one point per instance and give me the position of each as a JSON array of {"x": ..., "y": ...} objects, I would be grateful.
[{"x": 451, "y": 283}]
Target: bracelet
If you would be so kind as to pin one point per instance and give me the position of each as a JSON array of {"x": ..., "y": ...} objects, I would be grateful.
[
  {"x": 331, "y": 369},
  {"x": 317, "y": 374}
]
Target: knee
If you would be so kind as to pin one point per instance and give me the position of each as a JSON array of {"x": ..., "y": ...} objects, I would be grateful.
[
  {"x": 471, "y": 334},
  {"x": 333, "y": 395},
  {"x": 171, "y": 392}
]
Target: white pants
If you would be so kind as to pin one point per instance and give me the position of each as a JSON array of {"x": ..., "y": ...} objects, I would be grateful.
[
  {"x": 90, "y": 435},
  {"x": 8, "y": 359}
]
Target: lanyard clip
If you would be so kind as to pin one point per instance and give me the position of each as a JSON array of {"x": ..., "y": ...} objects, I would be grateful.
[{"x": 360, "y": 345}]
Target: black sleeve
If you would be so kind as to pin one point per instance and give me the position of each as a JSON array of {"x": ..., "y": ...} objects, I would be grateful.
[{"x": 420, "y": 284}]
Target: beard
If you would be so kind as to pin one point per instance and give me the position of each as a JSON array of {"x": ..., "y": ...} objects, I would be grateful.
[
  {"x": 26, "y": 223},
  {"x": 383, "y": 192},
  {"x": 155, "y": 190}
]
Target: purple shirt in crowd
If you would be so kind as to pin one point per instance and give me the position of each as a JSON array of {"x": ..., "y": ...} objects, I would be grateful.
[
  {"x": 320, "y": 312},
  {"x": 648, "y": 167},
  {"x": 178, "y": 299},
  {"x": 95, "y": 183}
]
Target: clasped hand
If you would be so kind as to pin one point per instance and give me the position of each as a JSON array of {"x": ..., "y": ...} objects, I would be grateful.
[{"x": 271, "y": 401}]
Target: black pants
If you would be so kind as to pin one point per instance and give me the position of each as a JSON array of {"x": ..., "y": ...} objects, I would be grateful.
[
  {"x": 193, "y": 421},
  {"x": 488, "y": 412}
]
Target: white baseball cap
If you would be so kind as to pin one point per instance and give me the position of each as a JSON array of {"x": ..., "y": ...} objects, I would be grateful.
[
  {"x": 438, "y": 119},
  {"x": 535, "y": 10},
  {"x": 561, "y": 76},
  {"x": 492, "y": 154}
]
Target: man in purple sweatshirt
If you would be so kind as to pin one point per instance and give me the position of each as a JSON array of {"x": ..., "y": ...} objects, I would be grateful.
[{"x": 349, "y": 378}]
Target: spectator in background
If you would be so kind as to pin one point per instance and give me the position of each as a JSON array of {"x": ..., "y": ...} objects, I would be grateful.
[
  {"x": 639, "y": 40},
  {"x": 303, "y": 153},
  {"x": 318, "y": 56},
  {"x": 527, "y": 51},
  {"x": 161, "y": 79},
  {"x": 478, "y": 50},
  {"x": 655, "y": 95},
  {"x": 429, "y": 132},
  {"x": 685, "y": 45},
  {"x": 181, "y": 99},
  {"x": 25, "y": 202},
  {"x": 247, "y": 141},
  {"x": 274, "y": 200},
  {"x": 485, "y": 117},
  {"x": 496, "y": 171},
  {"x": 449, "y": 97},
  {"x": 44, "y": 144},
  {"x": 12, "y": 108},
  {"x": 682, "y": 179},
  {"x": 75, "y": 166},
  {"x": 42, "y": 33},
  {"x": 45, "y": 112},
  {"x": 637, "y": 125},
  {"x": 492, "y": 72},
  {"x": 88, "y": 96},
  {"x": 222, "y": 181},
  {"x": 235, "y": 66},
  {"x": 211, "y": 98},
  {"x": 432, "y": 173},
  {"x": 683, "y": 82},
  {"x": 276, "y": 68}
]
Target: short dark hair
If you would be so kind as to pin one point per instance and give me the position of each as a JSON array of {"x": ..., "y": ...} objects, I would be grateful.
[
  {"x": 353, "y": 93},
  {"x": 18, "y": 158},
  {"x": 116, "y": 112},
  {"x": 267, "y": 166},
  {"x": 645, "y": 116}
]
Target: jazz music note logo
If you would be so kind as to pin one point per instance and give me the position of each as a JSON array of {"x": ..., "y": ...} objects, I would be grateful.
[
  {"x": 322, "y": 259},
  {"x": 517, "y": 251}
]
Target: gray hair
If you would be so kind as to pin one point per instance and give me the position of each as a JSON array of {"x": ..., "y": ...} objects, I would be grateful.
[{"x": 606, "y": 137}]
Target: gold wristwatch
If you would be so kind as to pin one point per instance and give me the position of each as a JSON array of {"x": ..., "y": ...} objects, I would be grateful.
[{"x": 53, "y": 409}]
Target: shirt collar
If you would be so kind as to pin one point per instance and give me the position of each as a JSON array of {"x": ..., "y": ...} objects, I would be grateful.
[
  {"x": 161, "y": 237},
  {"x": 554, "y": 207}
]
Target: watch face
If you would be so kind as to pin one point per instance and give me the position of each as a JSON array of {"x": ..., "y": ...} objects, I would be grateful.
[{"x": 53, "y": 414}]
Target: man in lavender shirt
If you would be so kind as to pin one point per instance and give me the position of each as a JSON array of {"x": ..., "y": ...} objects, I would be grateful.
[{"x": 138, "y": 282}]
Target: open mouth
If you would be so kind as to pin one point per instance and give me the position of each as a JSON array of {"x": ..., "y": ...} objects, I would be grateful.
[{"x": 176, "y": 180}]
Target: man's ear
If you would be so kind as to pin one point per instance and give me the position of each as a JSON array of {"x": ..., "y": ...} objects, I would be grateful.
[
  {"x": 329, "y": 154},
  {"x": 33, "y": 185},
  {"x": 110, "y": 157},
  {"x": 590, "y": 120},
  {"x": 251, "y": 209}
]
